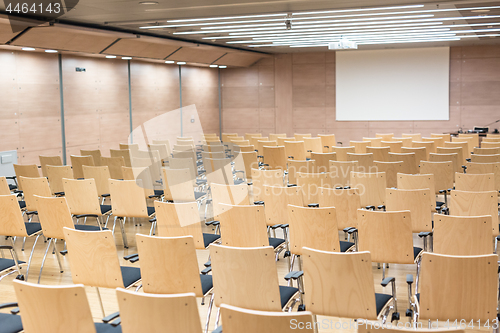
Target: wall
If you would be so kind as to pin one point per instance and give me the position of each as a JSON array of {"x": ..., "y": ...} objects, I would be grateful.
[
  {"x": 304, "y": 96},
  {"x": 96, "y": 102}
]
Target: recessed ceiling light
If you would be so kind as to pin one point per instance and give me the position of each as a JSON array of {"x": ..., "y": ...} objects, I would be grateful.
[
  {"x": 480, "y": 10},
  {"x": 111, "y": 57},
  {"x": 222, "y": 66},
  {"x": 214, "y": 66},
  {"x": 148, "y": 3},
  {"x": 181, "y": 62},
  {"x": 28, "y": 49},
  {"x": 127, "y": 58},
  {"x": 170, "y": 62},
  {"x": 51, "y": 51}
]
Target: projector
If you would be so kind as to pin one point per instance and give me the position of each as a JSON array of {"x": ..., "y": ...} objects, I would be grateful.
[{"x": 343, "y": 44}]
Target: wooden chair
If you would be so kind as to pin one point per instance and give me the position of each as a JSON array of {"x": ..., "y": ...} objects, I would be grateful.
[
  {"x": 101, "y": 176},
  {"x": 453, "y": 158},
  {"x": 418, "y": 182},
  {"x": 241, "y": 142},
  {"x": 123, "y": 153},
  {"x": 129, "y": 146},
  {"x": 29, "y": 171},
  {"x": 419, "y": 202},
  {"x": 391, "y": 170},
  {"x": 371, "y": 187},
  {"x": 395, "y": 146},
  {"x": 238, "y": 275},
  {"x": 451, "y": 150},
  {"x": 295, "y": 150},
  {"x": 128, "y": 202},
  {"x": 311, "y": 184},
  {"x": 409, "y": 161},
  {"x": 341, "y": 152},
  {"x": 312, "y": 145},
  {"x": 41, "y": 307},
  {"x": 188, "y": 154},
  {"x": 413, "y": 136},
  {"x": 248, "y": 136},
  {"x": 219, "y": 170},
  {"x": 255, "y": 141},
  {"x": 485, "y": 158},
  {"x": 380, "y": 154},
  {"x": 183, "y": 146},
  {"x": 56, "y": 174},
  {"x": 346, "y": 203},
  {"x": 162, "y": 142},
  {"x": 179, "y": 187},
  {"x": 388, "y": 237},
  {"x": 468, "y": 139},
  {"x": 428, "y": 145},
  {"x": 96, "y": 155},
  {"x": 295, "y": 167},
  {"x": 249, "y": 162},
  {"x": 217, "y": 154},
  {"x": 443, "y": 174},
  {"x": 264, "y": 143},
  {"x": 265, "y": 177},
  {"x": 475, "y": 182},
  {"x": 4, "y": 187},
  {"x": 277, "y": 199},
  {"x": 486, "y": 144},
  {"x": 158, "y": 313},
  {"x": 486, "y": 151},
  {"x": 446, "y": 137},
  {"x": 281, "y": 141},
  {"x": 321, "y": 161},
  {"x": 374, "y": 142},
  {"x": 163, "y": 150},
  {"x": 328, "y": 141},
  {"x": 114, "y": 165},
  {"x": 420, "y": 154},
  {"x": 49, "y": 160},
  {"x": 438, "y": 141},
  {"x": 94, "y": 261},
  {"x": 276, "y": 136},
  {"x": 13, "y": 225},
  {"x": 359, "y": 146},
  {"x": 473, "y": 136},
  {"x": 365, "y": 161},
  {"x": 448, "y": 288},
  {"x": 340, "y": 172},
  {"x": 239, "y": 320},
  {"x": 300, "y": 137},
  {"x": 462, "y": 235},
  {"x": 142, "y": 175},
  {"x": 187, "y": 163},
  {"x": 407, "y": 142},
  {"x": 465, "y": 148},
  {"x": 332, "y": 292},
  {"x": 481, "y": 168},
  {"x": 385, "y": 136},
  {"x": 274, "y": 157},
  {"x": 32, "y": 187},
  {"x": 247, "y": 148},
  {"x": 231, "y": 195},
  {"x": 77, "y": 162}
]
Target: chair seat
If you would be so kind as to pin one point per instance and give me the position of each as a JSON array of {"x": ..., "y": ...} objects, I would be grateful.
[
  {"x": 439, "y": 203},
  {"x": 151, "y": 211},
  {"x": 206, "y": 283},
  {"x": 10, "y": 323},
  {"x": 8, "y": 263},
  {"x": 344, "y": 246},
  {"x": 416, "y": 252},
  {"x": 381, "y": 300},
  {"x": 286, "y": 293},
  {"x": 32, "y": 228},
  {"x": 275, "y": 242},
  {"x": 85, "y": 227},
  {"x": 158, "y": 192},
  {"x": 105, "y": 209},
  {"x": 198, "y": 195},
  {"x": 12, "y": 187},
  {"x": 209, "y": 238},
  {"x": 22, "y": 204},
  {"x": 130, "y": 275},
  {"x": 107, "y": 328}
]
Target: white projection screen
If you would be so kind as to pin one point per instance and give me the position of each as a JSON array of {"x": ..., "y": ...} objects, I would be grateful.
[{"x": 400, "y": 84}]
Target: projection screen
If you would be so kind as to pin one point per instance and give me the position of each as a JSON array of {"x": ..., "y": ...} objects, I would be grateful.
[{"x": 385, "y": 85}]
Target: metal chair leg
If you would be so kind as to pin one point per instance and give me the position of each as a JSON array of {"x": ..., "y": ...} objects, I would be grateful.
[
  {"x": 124, "y": 236},
  {"x": 58, "y": 257},
  {"x": 100, "y": 301},
  {"x": 209, "y": 312},
  {"x": 43, "y": 260},
  {"x": 31, "y": 257}
]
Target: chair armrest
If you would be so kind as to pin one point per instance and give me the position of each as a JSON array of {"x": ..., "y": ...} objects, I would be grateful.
[
  {"x": 259, "y": 203},
  {"x": 131, "y": 256},
  {"x": 339, "y": 188},
  {"x": 313, "y": 205},
  {"x": 284, "y": 226},
  {"x": 10, "y": 177},
  {"x": 208, "y": 263},
  {"x": 212, "y": 223},
  {"x": 442, "y": 191},
  {"x": 468, "y": 159},
  {"x": 134, "y": 259},
  {"x": 381, "y": 207},
  {"x": 8, "y": 305},
  {"x": 294, "y": 275},
  {"x": 5, "y": 247},
  {"x": 387, "y": 280},
  {"x": 291, "y": 185},
  {"x": 425, "y": 234},
  {"x": 276, "y": 226},
  {"x": 347, "y": 187},
  {"x": 290, "y": 157},
  {"x": 116, "y": 322},
  {"x": 153, "y": 220},
  {"x": 111, "y": 317},
  {"x": 370, "y": 207},
  {"x": 206, "y": 270}
]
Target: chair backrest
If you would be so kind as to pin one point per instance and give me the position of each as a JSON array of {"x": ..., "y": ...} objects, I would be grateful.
[
  {"x": 169, "y": 265},
  {"x": 420, "y": 203},
  {"x": 407, "y": 142},
  {"x": 374, "y": 142},
  {"x": 420, "y": 154},
  {"x": 96, "y": 155},
  {"x": 230, "y": 195},
  {"x": 30, "y": 171},
  {"x": 188, "y": 154},
  {"x": 486, "y": 151},
  {"x": 485, "y": 158},
  {"x": 415, "y": 182},
  {"x": 275, "y": 157},
  {"x": 311, "y": 184},
  {"x": 436, "y": 142},
  {"x": 142, "y": 175},
  {"x": 54, "y": 309},
  {"x": 93, "y": 258},
  {"x": 453, "y": 158},
  {"x": 466, "y": 203},
  {"x": 101, "y": 175},
  {"x": 295, "y": 167},
  {"x": 218, "y": 170},
  {"x": 248, "y": 136},
  {"x": 241, "y": 142},
  {"x": 386, "y": 235},
  {"x": 445, "y": 137},
  {"x": 327, "y": 285},
  {"x": 273, "y": 136},
  {"x": 54, "y": 215},
  {"x": 341, "y": 152},
  {"x": 449, "y": 287},
  {"x": 481, "y": 168},
  {"x": 4, "y": 186},
  {"x": 128, "y": 199},
  {"x": 313, "y": 145},
  {"x": 313, "y": 227},
  {"x": 239, "y": 320},
  {"x": 114, "y": 165},
  {"x": 227, "y": 136},
  {"x": 11, "y": 219},
  {"x": 215, "y": 154},
  {"x": 371, "y": 187},
  {"x": 82, "y": 196},
  {"x": 158, "y": 313},
  {"x": 486, "y": 144},
  {"x": 162, "y": 149},
  {"x": 250, "y": 162},
  {"x": 162, "y": 142},
  {"x": 265, "y": 177},
  {"x": 265, "y": 143},
  {"x": 184, "y": 163},
  {"x": 178, "y": 185},
  {"x": 462, "y": 235},
  {"x": 281, "y": 141},
  {"x": 34, "y": 186},
  {"x": 245, "y": 148},
  {"x": 473, "y": 136},
  {"x": 443, "y": 173},
  {"x": 243, "y": 226},
  {"x": 346, "y": 202},
  {"x": 365, "y": 161},
  {"x": 321, "y": 161},
  {"x": 277, "y": 199},
  {"x": 78, "y": 161},
  {"x": 409, "y": 159},
  {"x": 49, "y": 160},
  {"x": 238, "y": 275},
  {"x": 385, "y": 136},
  {"x": 395, "y": 146},
  {"x": 469, "y": 139},
  {"x": 450, "y": 150},
  {"x": 179, "y": 220},
  {"x": 379, "y": 153},
  {"x": 56, "y": 174},
  {"x": 328, "y": 141},
  {"x": 429, "y": 146},
  {"x": 391, "y": 170},
  {"x": 340, "y": 172},
  {"x": 124, "y": 153},
  {"x": 413, "y": 136},
  {"x": 295, "y": 150},
  {"x": 129, "y": 146},
  {"x": 475, "y": 182},
  {"x": 255, "y": 141},
  {"x": 461, "y": 144},
  {"x": 359, "y": 146},
  {"x": 299, "y": 137}
]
